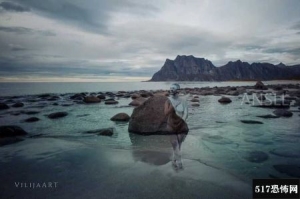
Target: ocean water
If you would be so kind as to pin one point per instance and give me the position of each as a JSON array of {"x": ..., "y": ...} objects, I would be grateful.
[
  {"x": 31, "y": 88},
  {"x": 220, "y": 154}
]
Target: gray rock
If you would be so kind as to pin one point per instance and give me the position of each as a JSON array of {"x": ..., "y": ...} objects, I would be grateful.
[
  {"x": 283, "y": 113},
  {"x": 111, "y": 102},
  {"x": 18, "y": 104},
  {"x": 91, "y": 99},
  {"x": 224, "y": 100},
  {"x": 32, "y": 119},
  {"x": 104, "y": 132},
  {"x": 268, "y": 116},
  {"x": 122, "y": 117},
  {"x": 3, "y": 106},
  {"x": 57, "y": 115},
  {"x": 251, "y": 122}
]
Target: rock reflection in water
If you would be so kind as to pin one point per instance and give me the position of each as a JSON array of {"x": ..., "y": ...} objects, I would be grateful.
[{"x": 158, "y": 149}]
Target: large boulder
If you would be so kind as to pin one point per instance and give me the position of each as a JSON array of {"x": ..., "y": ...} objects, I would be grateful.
[
  {"x": 91, "y": 99},
  {"x": 149, "y": 118},
  {"x": 121, "y": 117},
  {"x": 11, "y": 131}
]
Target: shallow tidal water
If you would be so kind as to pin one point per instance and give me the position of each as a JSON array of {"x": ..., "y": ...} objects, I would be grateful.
[{"x": 220, "y": 154}]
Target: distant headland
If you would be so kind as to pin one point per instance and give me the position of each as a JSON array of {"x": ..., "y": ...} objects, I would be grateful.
[{"x": 190, "y": 68}]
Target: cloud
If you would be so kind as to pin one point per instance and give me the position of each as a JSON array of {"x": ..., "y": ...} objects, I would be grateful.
[
  {"x": 14, "y": 47},
  {"x": 10, "y": 6},
  {"x": 23, "y": 30},
  {"x": 91, "y": 15}
]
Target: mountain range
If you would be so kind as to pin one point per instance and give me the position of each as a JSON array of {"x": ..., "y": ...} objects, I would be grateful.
[{"x": 190, "y": 68}]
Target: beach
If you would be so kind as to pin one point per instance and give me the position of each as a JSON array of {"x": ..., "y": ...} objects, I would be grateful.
[{"x": 226, "y": 147}]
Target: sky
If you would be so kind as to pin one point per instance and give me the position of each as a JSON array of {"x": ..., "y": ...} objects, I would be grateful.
[{"x": 129, "y": 40}]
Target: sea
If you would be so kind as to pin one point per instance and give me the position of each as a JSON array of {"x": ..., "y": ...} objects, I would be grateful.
[
  {"x": 220, "y": 154},
  {"x": 31, "y": 88}
]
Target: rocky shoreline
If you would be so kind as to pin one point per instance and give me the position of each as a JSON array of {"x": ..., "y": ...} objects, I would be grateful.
[{"x": 257, "y": 95}]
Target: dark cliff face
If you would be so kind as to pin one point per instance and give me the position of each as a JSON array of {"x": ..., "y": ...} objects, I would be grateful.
[{"x": 189, "y": 68}]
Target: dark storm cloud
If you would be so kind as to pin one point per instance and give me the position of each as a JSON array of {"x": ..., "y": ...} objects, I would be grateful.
[
  {"x": 22, "y": 30},
  {"x": 10, "y": 6},
  {"x": 92, "y": 16}
]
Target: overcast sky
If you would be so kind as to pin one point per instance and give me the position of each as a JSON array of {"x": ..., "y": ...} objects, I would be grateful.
[{"x": 129, "y": 40}]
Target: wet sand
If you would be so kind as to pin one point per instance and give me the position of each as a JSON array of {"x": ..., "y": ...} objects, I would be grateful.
[{"x": 88, "y": 170}]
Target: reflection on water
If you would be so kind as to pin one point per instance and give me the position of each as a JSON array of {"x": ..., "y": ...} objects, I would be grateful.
[{"x": 158, "y": 149}]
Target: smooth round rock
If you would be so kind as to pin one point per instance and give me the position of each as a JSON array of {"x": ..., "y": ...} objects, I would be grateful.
[
  {"x": 57, "y": 115},
  {"x": 122, "y": 117},
  {"x": 32, "y": 119},
  {"x": 224, "y": 100}
]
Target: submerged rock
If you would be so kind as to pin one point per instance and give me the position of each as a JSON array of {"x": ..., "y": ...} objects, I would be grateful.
[
  {"x": 251, "y": 122},
  {"x": 32, "y": 119},
  {"x": 285, "y": 152},
  {"x": 217, "y": 139},
  {"x": 18, "y": 104},
  {"x": 11, "y": 131},
  {"x": 10, "y": 140},
  {"x": 57, "y": 115},
  {"x": 283, "y": 113},
  {"x": 3, "y": 106},
  {"x": 268, "y": 116},
  {"x": 111, "y": 102},
  {"x": 292, "y": 170},
  {"x": 257, "y": 156},
  {"x": 123, "y": 117},
  {"x": 105, "y": 132},
  {"x": 224, "y": 100}
]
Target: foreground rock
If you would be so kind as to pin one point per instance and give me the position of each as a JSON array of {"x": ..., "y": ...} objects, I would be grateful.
[
  {"x": 225, "y": 100},
  {"x": 283, "y": 113},
  {"x": 149, "y": 118},
  {"x": 10, "y": 140},
  {"x": 11, "y": 131},
  {"x": 121, "y": 117},
  {"x": 91, "y": 99},
  {"x": 104, "y": 132},
  {"x": 251, "y": 122},
  {"x": 57, "y": 115}
]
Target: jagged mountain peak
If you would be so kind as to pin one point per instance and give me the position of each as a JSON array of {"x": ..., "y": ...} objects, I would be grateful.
[{"x": 190, "y": 68}]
